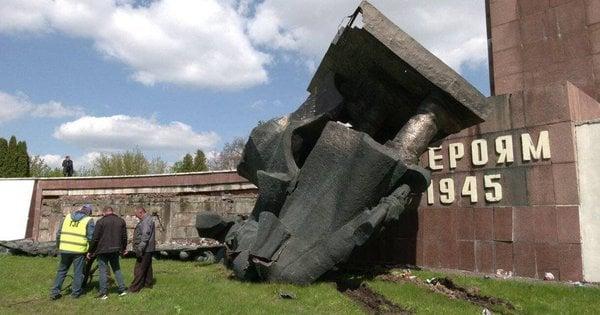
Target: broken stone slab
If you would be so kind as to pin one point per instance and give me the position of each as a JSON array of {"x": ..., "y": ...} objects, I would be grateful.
[
  {"x": 344, "y": 164},
  {"x": 29, "y": 247}
]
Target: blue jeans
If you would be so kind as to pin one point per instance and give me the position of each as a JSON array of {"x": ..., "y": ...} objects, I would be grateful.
[
  {"x": 78, "y": 262},
  {"x": 113, "y": 260}
]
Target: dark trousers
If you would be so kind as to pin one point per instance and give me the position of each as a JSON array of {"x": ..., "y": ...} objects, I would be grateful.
[
  {"x": 66, "y": 260},
  {"x": 142, "y": 273},
  {"x": 111, "y": 259}
]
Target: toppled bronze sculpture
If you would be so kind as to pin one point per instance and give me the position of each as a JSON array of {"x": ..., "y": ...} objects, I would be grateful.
[{"x": 344, "y": 164}]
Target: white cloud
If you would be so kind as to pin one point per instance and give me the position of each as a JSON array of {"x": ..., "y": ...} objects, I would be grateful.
[
  {"x": 453, "y": 30},
  {"x": 218, "y": 43},
  {"x": 199, "y": 43},
  {"x": 85, "y": 161},
  {"x": 18, "y": 105},
  {"x": 55, "y": 109},
  {"x": 52, "y": 160},
  {"x": 120, "y": 132}
]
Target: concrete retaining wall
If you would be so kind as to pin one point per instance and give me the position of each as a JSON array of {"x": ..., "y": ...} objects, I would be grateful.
[{"x": 588, "y": 160}]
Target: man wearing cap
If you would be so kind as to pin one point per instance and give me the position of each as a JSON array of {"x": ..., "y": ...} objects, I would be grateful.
[{"x": 73, "y": 237}]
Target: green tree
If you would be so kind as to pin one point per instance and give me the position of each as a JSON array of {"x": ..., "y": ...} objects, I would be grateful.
[
  {"x": 39, "y": 168},
  {"x": 14, "y": 159},
  {"x": 188, "y": 163},
  {"x": 113, "y": 164},
  {"x": 11, "y": 158},
  {"x": 200, "y": 162},
  {"x": 3, "y": 157},
  {"x": 22, "y": 160},
  {"x": 197, "y": 163}
]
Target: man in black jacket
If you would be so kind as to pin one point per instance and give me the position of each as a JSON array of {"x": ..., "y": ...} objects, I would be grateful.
[{"x": 109, "y": 241}]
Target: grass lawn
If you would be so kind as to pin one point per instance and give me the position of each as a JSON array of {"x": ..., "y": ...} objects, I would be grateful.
[{"x": 187, "y": 288}]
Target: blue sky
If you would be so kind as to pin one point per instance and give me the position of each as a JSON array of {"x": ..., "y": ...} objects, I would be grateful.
[{"x": 84, "y": 77}]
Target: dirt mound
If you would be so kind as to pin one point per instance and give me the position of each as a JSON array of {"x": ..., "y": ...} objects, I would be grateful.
[
  {"x": 371, "y": 301},
  {"x": 448, "y": 288}
]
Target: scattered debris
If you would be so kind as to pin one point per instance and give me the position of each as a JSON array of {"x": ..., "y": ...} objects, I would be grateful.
[
  {"x": 548, "y": 276},
  {"x": 500, "y": 273},
  {"x": 286, "y": 295},
  {"x": 485, "y": 311},
  {"x": 29, "y": 247},
  {"x": 448, "y": 288}
]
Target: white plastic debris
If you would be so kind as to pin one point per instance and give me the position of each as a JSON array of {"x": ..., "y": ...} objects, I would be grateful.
[{"x": 548, "y": 276}]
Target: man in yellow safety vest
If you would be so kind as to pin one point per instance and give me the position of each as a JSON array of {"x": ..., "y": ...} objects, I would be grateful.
[{"x": 72, "y": 239}]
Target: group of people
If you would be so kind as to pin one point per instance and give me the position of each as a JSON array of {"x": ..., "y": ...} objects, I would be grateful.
[{"x": 80, "y": 241}]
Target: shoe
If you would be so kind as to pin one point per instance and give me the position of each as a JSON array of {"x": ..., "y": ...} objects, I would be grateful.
[
  {"x": 123, "y": 293},
  {"x": 102, "y": 296},
  {"x": 55, "y": 297}
]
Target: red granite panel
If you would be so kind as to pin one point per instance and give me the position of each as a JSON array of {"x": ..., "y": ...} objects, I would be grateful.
[
  {"x": 568, "y": 224},
  {"x": 503, "y": 254},
  {"x": 509, "y": 83},
  {"x": 500, "y": 118},
  {"x": 484, "y": 256},
  {"x": 545, "y": 228},
  {"x": 512, "y": 180},
  {"x": 431, "y": 253},
  {"x": 570, "y": 262},
  {"x": 565, "y": 183},
  {"x": 466, "y": 250},
  {"x": 594, "y": 37},
  {"x": 527, "y": 7},
  {"x": 483, "y": 219},
  {"x": 524, "y": 220},
  {"x": 561, "y": 142},
  {"x": 427, "y": 224},
  {"x": 506, "y": 36},
  {"x": 571, "y": 47},
  {"x": 503, "y": 11},
  {"x": 537, "y": 27},
  {"x": 508, "y": 61},
  {"x": 547, "y": 259},
  {"x": 584, "y": 107},
  {"x": 554, "y": 3},
  {"x": 570, "y": 17},
  {"x": 464, "y": 224},
  {"x": 540, "y": 186},
  {"x": 545, "y": 105},
  {"x": 524, "y": 259},
  {"x": 517, "y": 111},
  {"x": 537, "y": 55},
  {"x": 464, "y": 164},
  {"x": 448, "y": 253},
  {"x": 503, "y": 223},
  {"x": 580, "y": 72},
  {"x": 592, "y": 11},
  {"x": 444, "y": 220}
]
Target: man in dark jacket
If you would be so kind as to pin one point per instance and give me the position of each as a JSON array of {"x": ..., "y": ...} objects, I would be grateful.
[
  {"x": 144, "y": 244},
  {"x": 72, "y": 238},
  {"x": 109, "y": 241},
  {"x": 67, "y": 165}
]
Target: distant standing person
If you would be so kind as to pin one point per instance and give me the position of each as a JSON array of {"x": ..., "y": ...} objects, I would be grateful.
[
  {"x": 109, "y": 241},
  {"x": 144, "y": 244},
  {"x": 76, "y": 230},
  {"x": 67, "y": 165}
]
